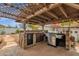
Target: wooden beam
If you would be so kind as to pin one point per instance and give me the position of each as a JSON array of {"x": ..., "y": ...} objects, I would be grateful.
[
  {"x": 5, "y": 13},
  {"x": 44, "y": 17},
  {"x": 18, "y": 19},
  {"x": 76, "y": 6},
  {"x": 63, "y": 11},
  {"x": 34, "y": 23},
  {"x": 52, "y": 14},
  {"x": 12, "y": 6},
  {"x": 37, "y": 13},
  {"x": 8, "y": 16},
  {"x": 51, "y": 6},
  {"x": 25, "y": 10},
  {"x": 38, "y": 19}
]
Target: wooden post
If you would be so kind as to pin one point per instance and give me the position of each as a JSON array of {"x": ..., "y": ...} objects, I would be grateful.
[
  {"x": 68, "y": 42},
  {"x": 24, "y": 41},
  {"x": 69, "y": 34},
  {"x": 34, "y": 38},
  {"x": 43, "y": 27},
  {"x": 43, "y": 32}
]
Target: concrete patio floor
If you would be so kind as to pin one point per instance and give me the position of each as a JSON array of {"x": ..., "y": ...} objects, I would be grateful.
[{"x": 41, "y": 49}]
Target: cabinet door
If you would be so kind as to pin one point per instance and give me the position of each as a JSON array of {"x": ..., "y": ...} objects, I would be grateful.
[
  {"x": 29, "y": 38},
  {"x": 53, "y": 41}
]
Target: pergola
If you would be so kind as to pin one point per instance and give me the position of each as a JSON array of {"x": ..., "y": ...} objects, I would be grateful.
[{"x": 37, "y": 13}]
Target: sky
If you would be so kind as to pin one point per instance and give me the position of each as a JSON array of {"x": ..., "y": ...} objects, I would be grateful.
[{"x": 8, "y": 22}]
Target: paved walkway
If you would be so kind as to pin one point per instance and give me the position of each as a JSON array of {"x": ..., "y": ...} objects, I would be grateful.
[{"x": 41, "y": 49}]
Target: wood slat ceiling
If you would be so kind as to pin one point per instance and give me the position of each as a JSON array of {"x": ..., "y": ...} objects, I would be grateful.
[{"x": 39, "y": 13}]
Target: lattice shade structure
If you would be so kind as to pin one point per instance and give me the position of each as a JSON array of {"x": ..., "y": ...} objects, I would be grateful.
[{"x": 38, "y": 13}]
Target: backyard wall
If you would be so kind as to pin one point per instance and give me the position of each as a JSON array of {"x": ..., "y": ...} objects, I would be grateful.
[{"x": 11, "y": 37}]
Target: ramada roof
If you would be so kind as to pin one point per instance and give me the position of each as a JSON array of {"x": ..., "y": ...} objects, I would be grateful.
[{"x": 40, "y": 13}]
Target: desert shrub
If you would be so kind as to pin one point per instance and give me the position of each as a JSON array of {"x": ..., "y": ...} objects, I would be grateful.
[
  {"x": 12, "y": 33},
  {"x": 78, "y": 40},
  {"x": 2, "y": 32},
  {"x": 17, "y": 31}
]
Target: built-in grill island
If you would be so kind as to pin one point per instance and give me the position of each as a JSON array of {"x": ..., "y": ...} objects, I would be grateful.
[{"x": 30, "y": 38}]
